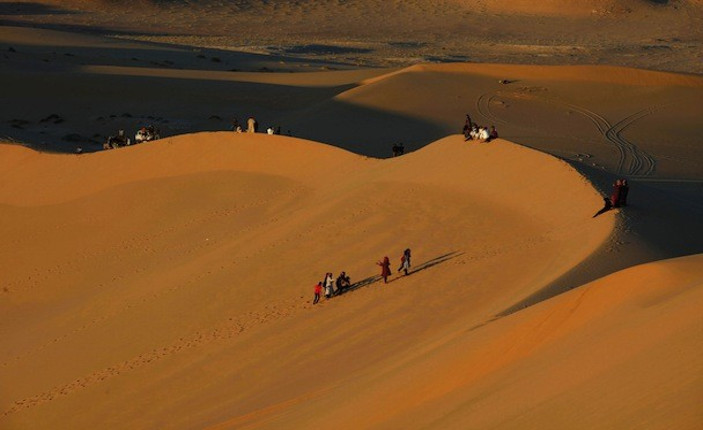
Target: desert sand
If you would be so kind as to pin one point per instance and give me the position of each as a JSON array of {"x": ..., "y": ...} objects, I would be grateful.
[{"x": 169, "y": 284}]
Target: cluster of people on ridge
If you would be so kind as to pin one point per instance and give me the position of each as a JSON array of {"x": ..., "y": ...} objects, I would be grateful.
[
  {"x": 253, "y": 127},
  {"x": 617, "y": 198},
  {"x": 332, "y": 287},
  {"x": 473, "y": 131},
  {"x": 343, "y": 282},
  {"x": 144, "y": 134},
  {"x": 398, "y": 149}
]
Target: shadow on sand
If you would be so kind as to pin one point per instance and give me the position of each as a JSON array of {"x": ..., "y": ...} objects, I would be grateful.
[
  {"x": 426, "y": 265},
  {"x": 660, "y": 222}
]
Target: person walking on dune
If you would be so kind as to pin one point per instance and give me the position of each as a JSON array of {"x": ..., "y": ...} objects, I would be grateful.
[
  {"x": 405, "y": 261},
  {"x": 318, "y": 291},
  {"x": 385, "y": 269}
]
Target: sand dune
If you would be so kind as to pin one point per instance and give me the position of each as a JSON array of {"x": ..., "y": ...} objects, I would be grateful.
[
  {"x": 169, "y": 284},
  {"x": 177, "y": 256}
]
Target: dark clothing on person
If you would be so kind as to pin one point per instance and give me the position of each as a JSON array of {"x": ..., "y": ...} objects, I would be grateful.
[{"x": 623, "y": 193}]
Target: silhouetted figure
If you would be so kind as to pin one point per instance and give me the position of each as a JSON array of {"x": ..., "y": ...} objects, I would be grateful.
[
  {"x": 494, "y": 133},
  {"x": 385, "y": 268},
  {"x": 342, "y": 283},
  {"x": 235, "y": 125},
  {"x": 405, "y": 261},
  {"x": 606, "y": 207},
  {"x": 398, "y": 149},
  {"x": 467, "y": 126},
  {"x": 318, "y": 291},
  {"x": 623, "y": 193}
]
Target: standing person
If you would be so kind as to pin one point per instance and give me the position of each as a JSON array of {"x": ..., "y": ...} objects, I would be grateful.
[
  {"x": 615, "y": 196},
  {"x": 405, "y": 261},
  {"x": 318, "y": 291},
  {"x": 385, "y": 268},
  {"x": 623, "y": 193},
  {"x": 467, "y": 126},
  {"x": 329, "y": 282},
  {"x": 251, "y": 125}
]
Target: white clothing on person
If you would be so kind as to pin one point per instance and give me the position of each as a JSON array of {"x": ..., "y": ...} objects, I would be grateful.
[
  {"x": 473, "y": 133},
  {"x": 483, "y": 134},
  {"x": 269, "y": 130}
]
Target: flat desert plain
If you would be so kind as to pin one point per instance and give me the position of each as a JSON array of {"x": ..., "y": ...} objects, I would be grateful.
[{"x": 169, "y": 284}]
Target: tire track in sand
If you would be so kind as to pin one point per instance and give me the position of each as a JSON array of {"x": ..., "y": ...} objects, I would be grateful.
[{"x": 632, "y": 160}]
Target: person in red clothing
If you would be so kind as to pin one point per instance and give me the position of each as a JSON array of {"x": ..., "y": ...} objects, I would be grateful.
[
  {"x": 616, "y": 195},
  {"x": 385, "y": 268},
  {"x": 318, "y": 291}
]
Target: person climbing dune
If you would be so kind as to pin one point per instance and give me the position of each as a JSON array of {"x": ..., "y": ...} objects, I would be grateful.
[{"x": 385, "y": 268}]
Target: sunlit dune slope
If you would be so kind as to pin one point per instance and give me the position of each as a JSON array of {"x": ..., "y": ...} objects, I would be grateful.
[
  {"x": 621, "y": 350},
  {"x": 169, "y": 284}
]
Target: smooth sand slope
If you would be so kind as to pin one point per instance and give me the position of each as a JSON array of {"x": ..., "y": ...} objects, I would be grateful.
[{"x": 169, "y": 284}]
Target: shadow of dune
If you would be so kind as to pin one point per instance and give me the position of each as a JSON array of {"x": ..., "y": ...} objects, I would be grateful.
[
  {"x": 96, "y": 105},
  {"x": 659, "y": 223},
  {"x": 363, "y": 130}
]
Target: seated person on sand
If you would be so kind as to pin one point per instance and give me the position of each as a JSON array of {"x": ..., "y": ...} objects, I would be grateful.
[
  {"x": 494, "y": 132},
  {"x": 483, "y": 135},
  {"x": 269, "y": 130},
  {"x": 473, "y": 134},
  {"x": 342, "y": 283}
]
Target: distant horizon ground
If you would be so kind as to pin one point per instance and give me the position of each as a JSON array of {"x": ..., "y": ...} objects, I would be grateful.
[{"x": 657, "y": 35}]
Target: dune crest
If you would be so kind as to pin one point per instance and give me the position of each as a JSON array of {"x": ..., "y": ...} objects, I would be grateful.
[{"x": 176, "y": 256}]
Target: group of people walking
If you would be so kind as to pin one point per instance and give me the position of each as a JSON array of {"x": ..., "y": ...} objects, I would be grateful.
[
  {"x": 473, "y": 131},
  {"x": 386, "y": 265},
  {"x": 343, "y": 283},
  {"x": 617, "y": 198},
  {"x": 332, "y": 287}
]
